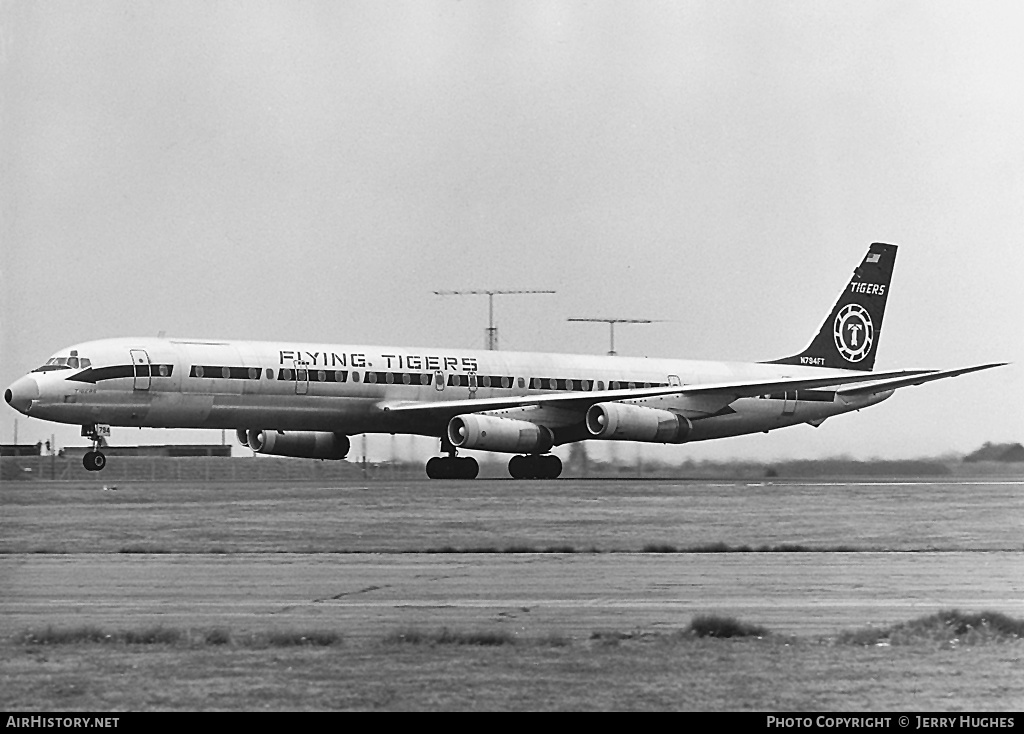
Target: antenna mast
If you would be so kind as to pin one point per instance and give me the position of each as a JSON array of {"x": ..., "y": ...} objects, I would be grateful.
[
  {"x": 611, "y": 325},
  {"x": 492, "y": 330}
]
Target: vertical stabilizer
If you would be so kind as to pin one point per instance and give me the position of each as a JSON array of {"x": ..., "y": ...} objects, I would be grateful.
[{"x": 849, "y": 337}]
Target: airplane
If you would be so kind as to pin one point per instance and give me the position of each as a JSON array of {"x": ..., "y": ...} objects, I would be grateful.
[{"x": 306, "y": 400}]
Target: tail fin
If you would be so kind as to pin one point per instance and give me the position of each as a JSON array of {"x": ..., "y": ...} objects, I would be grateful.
[{"x": 849, "y": 337}]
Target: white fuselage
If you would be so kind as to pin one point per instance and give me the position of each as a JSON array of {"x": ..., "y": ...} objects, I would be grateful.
[{"x": 181, "y": 383}]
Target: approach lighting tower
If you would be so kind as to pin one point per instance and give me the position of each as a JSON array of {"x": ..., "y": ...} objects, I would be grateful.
[
  {"x": 611, "y": 324},
  {"x": 492, "y": 330}
]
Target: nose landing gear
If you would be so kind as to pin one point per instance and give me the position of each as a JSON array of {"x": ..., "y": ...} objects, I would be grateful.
[{"x": 95, "y": 460}]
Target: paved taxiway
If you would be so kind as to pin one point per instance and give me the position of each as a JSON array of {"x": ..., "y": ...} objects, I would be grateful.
[
  {"x": 362, "y": 558},
  {"x": 532, "y": 593}
]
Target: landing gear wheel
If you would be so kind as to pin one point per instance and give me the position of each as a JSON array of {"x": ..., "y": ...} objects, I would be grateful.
[
  {"x": 94, "y": 460},
  {"x": 552, "y": 467},
  {"x": 452, "y": 467},
  {"x": 517, "y": 467},
  {"x": 433, "y": 469},
  {"x": 535, "y": 466},
  {"x": 467, "y": 468}
]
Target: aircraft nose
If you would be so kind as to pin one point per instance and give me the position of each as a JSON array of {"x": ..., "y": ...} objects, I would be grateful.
[{"x": 21, "y": 394}]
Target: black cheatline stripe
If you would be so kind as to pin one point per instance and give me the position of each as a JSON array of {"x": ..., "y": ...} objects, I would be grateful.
[
  {"x": 493, "y": 381},
  {"x": 121, "y": 371},
  {"x": 112, "y": 373},
  {"x": 217, "y": 372},
  {"x": 573, "y": 385},
  {"x": 289, "y": 374},
  {"x": 154, "y": 370}
]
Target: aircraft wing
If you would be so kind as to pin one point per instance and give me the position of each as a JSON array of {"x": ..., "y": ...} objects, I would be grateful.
[
  {"x": 896, "y": 382},
  {"x": 581, "y": 401}
]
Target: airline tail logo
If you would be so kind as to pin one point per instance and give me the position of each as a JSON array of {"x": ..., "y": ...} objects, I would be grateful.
[
  {"x": 850, "y": 334},
  {"x": 854, "y": 332}
]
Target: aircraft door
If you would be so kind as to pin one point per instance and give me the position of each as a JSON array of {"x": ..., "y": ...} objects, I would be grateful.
[
  {"x": 789, "y": 402},
  {"x": 438, "y": 380},
  {"x": 141, "y": 370},
  {"x": 301, "y": 377},
  {"x": 473, "y": 384}
]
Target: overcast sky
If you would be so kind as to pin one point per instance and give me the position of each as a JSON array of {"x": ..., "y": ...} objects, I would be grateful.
[{"x": 313, "y": 171}]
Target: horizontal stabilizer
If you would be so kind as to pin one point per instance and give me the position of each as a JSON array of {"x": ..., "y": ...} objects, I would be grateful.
[{"x": 896, "y": 382}]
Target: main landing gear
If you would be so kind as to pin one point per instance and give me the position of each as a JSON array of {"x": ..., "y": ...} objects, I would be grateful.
[
  {"x": 535, "y": 466},
  {"x": 531, "y": 466},
  {"x": 95, "y": 460},
  {"x": 451, "y": 466}
]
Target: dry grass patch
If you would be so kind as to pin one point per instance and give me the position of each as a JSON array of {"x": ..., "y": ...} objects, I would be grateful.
[
  {"x": 446, "y": 636},
  {"x": 711, "y": 625},
  {"x": 947, "y": 628}
]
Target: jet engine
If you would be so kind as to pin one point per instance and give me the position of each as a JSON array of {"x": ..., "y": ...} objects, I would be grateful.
[
  {"x": 626, "y": 422},
  {"x": 297, "y": 444},
  {"x": 489, "y": 433}
]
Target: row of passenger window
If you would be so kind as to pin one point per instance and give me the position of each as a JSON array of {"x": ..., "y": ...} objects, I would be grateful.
[
  {"x": 254, "y": 373},
  {"x": 415, "y": 378}
]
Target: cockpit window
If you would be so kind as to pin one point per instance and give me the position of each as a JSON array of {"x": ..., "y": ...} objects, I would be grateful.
[{"x": 64, "y": 363}]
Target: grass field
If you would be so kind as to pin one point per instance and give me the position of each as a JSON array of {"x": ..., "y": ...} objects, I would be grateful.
[
  {"x": 610, "y": 660},
  {"x": 434, "y": 670},
  {"x": 576, "y": 515}
]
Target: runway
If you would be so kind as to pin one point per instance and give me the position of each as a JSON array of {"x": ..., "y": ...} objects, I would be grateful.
[
  {"x": 533, "y": 594},
  {"x": 364, "y": 560}
]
